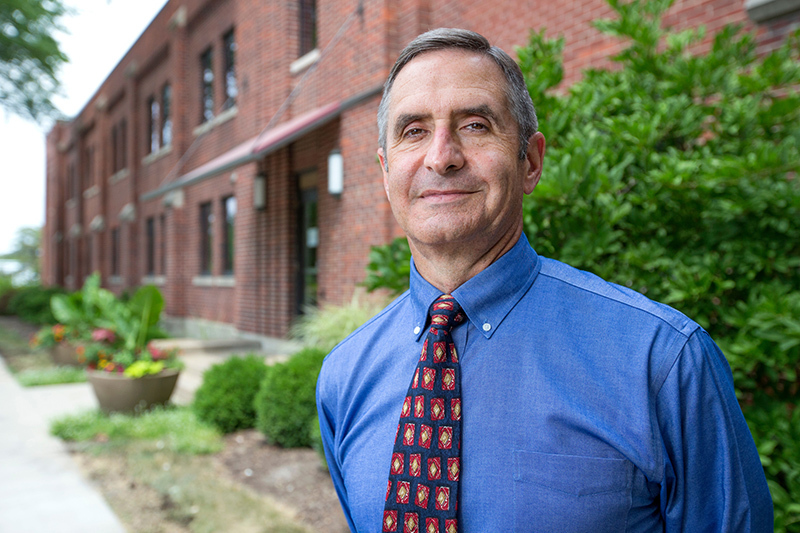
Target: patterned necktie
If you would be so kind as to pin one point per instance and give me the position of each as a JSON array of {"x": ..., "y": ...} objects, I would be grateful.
[{"x": 423, "y": 479}]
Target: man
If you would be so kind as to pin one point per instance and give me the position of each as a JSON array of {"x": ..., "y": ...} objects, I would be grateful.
[{"x": 586, "y": 406}]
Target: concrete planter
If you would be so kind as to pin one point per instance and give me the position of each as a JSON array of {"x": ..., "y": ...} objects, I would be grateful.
[
  {"x": 117, "y": 393},
  {"x": 65, "y": 354}
]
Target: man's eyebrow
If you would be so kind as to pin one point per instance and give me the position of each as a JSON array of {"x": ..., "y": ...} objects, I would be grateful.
[
  {"x": 404, "y": 120},
  {"x": 481, "y": 110}
]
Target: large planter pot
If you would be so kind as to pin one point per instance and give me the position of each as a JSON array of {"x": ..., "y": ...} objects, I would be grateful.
[
  {"x": 65, "y": 354},
  {"x": 117, "y": 393}
]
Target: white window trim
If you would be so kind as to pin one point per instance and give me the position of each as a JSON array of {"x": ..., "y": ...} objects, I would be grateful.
[
  {"x": 208, "y": 125},
  {"x": 762, "y": 10},
  {"x": 154, "y": 280},
  {"x": 158, "y": 154},
  {"x": 303, "y": 62},
  {"x": 118, "y": 176},
  {"x": 214, "y": 281}
]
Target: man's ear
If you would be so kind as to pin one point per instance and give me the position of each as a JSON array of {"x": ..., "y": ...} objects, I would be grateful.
[
  {"x": 382, "y": 159},
  {"x": 535, "y": 158}
]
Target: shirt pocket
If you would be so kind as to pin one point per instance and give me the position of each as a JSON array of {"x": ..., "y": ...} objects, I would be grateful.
[{"x": 554, "y": 492}]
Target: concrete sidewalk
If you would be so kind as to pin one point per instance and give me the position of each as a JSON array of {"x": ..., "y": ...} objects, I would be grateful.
[{"x": 41, "y": 488}]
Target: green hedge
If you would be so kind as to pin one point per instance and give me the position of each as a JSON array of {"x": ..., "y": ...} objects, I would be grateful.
[
  {"x": 285, "y": 404},
  {"x": 32, "y": 303},
  {"x": 675, "y": 173},
  {"x": 225, "y": 398}
]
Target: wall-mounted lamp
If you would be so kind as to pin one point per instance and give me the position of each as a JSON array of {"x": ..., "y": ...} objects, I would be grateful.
[
  {"x": 260, "y": 191},
  {"x": 335, "y": 172}
]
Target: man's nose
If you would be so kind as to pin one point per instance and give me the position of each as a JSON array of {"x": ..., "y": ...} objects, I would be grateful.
[{"x": 444, "y": 153}]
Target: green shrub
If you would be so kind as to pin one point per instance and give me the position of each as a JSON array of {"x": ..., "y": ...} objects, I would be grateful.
[
  {"x": 225, "y": 398},
  {"x": 389, "y": 267},
  {"x": 54, "y": 375},
  {"x": 6, "y": 292},
  {"x": 32, "y": 303},
  {"x": 326, "y": 327},
  {"x": 675, "y": 173},
  {"x": 285, "y": 404}
]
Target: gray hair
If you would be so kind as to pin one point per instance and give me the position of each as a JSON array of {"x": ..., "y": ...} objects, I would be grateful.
[{"x": 519, "y": 100}]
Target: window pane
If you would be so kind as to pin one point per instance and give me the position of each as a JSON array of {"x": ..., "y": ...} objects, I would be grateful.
[
  {"x": 151, "y": 246},
  {"x": 231, "y": 91},
  {"x": 206, "y": 238},
  {"x": 207, "y": 85},
  {"x": 153, "y": 130},
  {"x": 308, "y": 26},
  {"x": 166, "y": 118},
  {"x": 229, "y": 207}
]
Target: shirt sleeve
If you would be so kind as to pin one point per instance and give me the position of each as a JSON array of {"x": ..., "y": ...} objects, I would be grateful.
[
  {"x": 713, "y": 478},
  {"x": 327, "y": 430}
]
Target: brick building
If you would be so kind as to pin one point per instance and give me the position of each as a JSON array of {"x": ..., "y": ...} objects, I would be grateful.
[{"x": 229, "y": 158}]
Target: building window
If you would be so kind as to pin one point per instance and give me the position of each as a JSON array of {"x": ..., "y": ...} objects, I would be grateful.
[
  {"x": 153, "y": 129},
  {"x": 206, "y": 238},
  {"x": 231, "y": 91},
  {"x": 166, "y": 117},
  {"x": 207, "y": 85},
  {"x": 163, "y": 224},
  {"x": 118, "y": 134},
  {"x": 229, "y": 212},
  {"x": 115, "y": 252},
  {"x": 88, "y": 168},
  {"x": 151, "y": 246},
  {"x": 122, "y": 139},
  {"x": 308, "y": 26}
]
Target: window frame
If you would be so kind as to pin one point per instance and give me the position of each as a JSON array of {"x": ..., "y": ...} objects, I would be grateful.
[
  {"x": 207, "y": 85},
  {"x": 229, "y": 48},
  {"x": 206, "y": 212},
  {"x": 229, "y": 234}
]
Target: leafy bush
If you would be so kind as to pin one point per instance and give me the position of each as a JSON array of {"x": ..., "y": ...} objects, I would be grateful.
[
  {"x": 32, "y": 303},
  {"x": 326, "y": 327},
  {"x": 6, "y": 292},
  {"x": 285, "y": 403},
  {"x": 389, "y": 267},
  {"x": 675, "y": 173},
  {"x": 225, "y": 398}
]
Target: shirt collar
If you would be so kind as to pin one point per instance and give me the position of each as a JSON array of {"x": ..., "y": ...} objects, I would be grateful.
[{"x": 487, "y": 297}]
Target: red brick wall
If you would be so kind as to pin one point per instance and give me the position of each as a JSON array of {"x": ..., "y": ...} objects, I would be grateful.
[{"x": 357, "y": 52}]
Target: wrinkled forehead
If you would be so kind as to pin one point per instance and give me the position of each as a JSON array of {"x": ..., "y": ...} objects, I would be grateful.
[{"x": 444, "y": 78}]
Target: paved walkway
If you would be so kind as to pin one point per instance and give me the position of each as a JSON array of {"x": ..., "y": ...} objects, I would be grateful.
[{"x": 41, "y": 488}]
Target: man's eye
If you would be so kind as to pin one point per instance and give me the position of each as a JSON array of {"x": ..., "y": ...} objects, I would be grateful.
[
  {"x": 477, "y": 126},
  {"x": 412, "y": 132}
]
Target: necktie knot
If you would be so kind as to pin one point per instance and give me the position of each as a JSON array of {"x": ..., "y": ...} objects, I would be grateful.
[{"x": 445, "y": 313}]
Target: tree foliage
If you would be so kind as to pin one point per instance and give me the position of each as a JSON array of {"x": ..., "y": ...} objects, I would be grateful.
[
  {"x": 26, "y": 254},
  {"x": 29, "y": 56},
  {"x": 675, "y": 173}
]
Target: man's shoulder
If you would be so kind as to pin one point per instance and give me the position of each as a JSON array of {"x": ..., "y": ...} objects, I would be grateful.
[{"x": 593, "y": 288}]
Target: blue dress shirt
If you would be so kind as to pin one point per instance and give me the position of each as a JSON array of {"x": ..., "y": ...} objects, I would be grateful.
[{"x": 586, "y": 408}]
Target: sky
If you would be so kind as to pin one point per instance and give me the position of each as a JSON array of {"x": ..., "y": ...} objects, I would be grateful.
[{"x": 99, "y": 33}]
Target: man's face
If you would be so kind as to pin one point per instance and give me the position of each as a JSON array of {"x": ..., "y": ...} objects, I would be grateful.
[{"x": 452, "y": 171}]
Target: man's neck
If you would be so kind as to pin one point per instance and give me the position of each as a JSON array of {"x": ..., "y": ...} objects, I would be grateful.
[{"x": 450, "y": 266}]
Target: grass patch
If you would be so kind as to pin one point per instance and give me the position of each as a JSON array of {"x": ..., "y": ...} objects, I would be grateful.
[
  {"x": 155, "y": 472},
  {"x": 52, "y": 375},
  {"x": 176, "y": 429}
]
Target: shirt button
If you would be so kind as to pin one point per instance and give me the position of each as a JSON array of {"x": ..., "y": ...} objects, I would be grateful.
[
  {"x": 487, "y": 326},
  {"x": 416, "y": 330}
]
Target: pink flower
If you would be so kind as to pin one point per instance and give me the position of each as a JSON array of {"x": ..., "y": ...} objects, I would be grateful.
[{"x": 103, "y": 335}]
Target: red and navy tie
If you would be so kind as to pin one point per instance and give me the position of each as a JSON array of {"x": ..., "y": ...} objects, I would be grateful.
[{"x": 422, "y": 492}]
